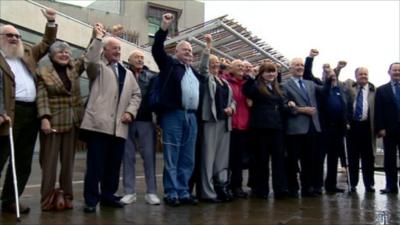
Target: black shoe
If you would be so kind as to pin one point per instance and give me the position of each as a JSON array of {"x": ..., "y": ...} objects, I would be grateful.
[
  {"x": 353, "y": 189},
  {"x": 293, "y": 194},
  {"x": 318, "y": 191},
  {"x": 389, "y": 191},
  {"x": 239, "y": 193},
  {"x": 223, "y": 193},
  {"x": 281, "y": 194},
  {"x": 334, "y": 190},
  {"x": 12, "y": 208},
  {"x": 370, "y": 189},
  {"x": 190, "y": 200},
  {"x": 114, "y": 204},
  {"x": 308, "y": 194},
  {"x": 211, "y": 200},
  {"x": 172, "y": 201},
  {"x": 89, "y": 209}
]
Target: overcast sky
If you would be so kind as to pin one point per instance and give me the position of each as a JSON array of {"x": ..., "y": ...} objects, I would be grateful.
[{"x": 364, "y": 33}]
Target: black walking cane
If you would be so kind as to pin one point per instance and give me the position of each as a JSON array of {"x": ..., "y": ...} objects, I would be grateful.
[{"x": 14, "y": 173}]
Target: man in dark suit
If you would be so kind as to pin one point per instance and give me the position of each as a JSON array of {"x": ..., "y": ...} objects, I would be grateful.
[
  {"x": 18, "y": 64},
  {"x": 387, "y": 125},
  {"x": 361, "y": 136},
  {"x": 301, "y": 129}
]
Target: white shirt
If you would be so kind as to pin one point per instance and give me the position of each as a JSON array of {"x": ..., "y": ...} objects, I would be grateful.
[
  {"x": 365, "y": 92},
  {"x": 25, "y": 88}
]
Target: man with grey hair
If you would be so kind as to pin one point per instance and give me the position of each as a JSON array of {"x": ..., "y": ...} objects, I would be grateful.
[
  {"x": 113, "y": 103},
  {"x": 141, "y": 137},
  {"x": 18, "y": 64},
  {"x": 179, "y": 96}
]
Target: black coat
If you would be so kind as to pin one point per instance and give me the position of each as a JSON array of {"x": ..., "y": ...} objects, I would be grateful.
[{"x": 386, "y": 110}]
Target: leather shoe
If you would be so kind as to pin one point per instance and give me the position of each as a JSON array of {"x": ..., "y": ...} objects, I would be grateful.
[
  {"x": 114, "y": 204},
  {"x": 172, "y": 201},
  {"x": 189, "y": 200},
  {"x": 389, "y": 191},
  {"x": 89, "y": 209},
  {"x": 239, "y": 193},
  {"x": 370, "y": 189},
  {"x": 334, "y": 190},
  {"x": 11, "y": 208},
  {"x": 211, "y": 200}
]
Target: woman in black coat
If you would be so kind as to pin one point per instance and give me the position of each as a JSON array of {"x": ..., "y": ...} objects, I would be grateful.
[{"x": 266, "y": 130}]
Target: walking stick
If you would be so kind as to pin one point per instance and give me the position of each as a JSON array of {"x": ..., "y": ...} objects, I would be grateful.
[
  {"x": 14, "y": 173},
  {"x": 347, "y": 164}
]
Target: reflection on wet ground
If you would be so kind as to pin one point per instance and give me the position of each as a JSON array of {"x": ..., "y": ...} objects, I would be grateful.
[{"x": 357, "y": 208}]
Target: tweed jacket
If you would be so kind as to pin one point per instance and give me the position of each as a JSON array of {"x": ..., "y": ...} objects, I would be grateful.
[
  {"x": 32, "y": 54},
  {"x": 105, "y": 108},
  {"x": 2, "y": 110},
  {"x": 300, "y": 123},
  {"x": 62, "y": 107},
  {"x": 352, "y": 87},
  {"x": 208, "y": 108}
]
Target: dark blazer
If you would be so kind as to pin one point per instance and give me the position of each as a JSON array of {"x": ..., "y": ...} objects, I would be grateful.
[
  {"x": 300, "y": 123},
  {"x": 386, "y": 110},
  {"x": 32, "y": 55},
  {"x": 266, "y": 111},
  {"x": 171, "y": 98},
  {"x": 2, "y": 110}
]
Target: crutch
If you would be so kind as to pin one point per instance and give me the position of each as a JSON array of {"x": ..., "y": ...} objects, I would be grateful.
[
  {"x": 14, "y": 173},
  {"x": 346, "y": 158}
]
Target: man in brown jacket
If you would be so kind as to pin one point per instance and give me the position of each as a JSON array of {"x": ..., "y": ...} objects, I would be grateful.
[{"x": 18, "y": 64}]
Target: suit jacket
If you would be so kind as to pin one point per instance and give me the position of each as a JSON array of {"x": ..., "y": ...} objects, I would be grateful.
[
  {"x": 2, "y": 110},
  {"x": 352, "y": 87},
  {"x": 298, "y": 123},
  {"x": 63, "y": 108},
  {"x": 31, "y": 57},
  {"x": 105, "y": 105},
  {"x": 208, "y": 108},
  {"x": 386, "y": 110}
]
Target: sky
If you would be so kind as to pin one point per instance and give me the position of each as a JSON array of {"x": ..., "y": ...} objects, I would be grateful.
[{"x": 364, "y": 33}]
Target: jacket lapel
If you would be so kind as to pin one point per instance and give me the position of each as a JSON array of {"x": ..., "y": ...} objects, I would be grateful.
[
  {"x": 294, "y": 86},
  {"x": 6, "y": 68}
]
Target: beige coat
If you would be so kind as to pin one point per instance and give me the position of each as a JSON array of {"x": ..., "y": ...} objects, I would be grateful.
[{"x": 104, "y": 110}]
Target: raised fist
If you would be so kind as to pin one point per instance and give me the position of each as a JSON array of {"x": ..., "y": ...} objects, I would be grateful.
[
  {"x": 314, "y": 52},
  {"x": 342, "y": 64},
  {"x": 49, "y": 13},
  {"x": 166, "y": 21}
]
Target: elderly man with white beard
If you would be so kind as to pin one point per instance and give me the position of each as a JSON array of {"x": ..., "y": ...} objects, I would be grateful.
[{"x": 18, "y": 63}]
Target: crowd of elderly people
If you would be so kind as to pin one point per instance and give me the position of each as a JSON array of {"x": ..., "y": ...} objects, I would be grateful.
[{"x": 216, "y": 122}]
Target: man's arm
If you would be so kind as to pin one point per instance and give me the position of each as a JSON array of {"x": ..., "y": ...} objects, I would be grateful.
[
  {"x": 157, "y": 50},
  {"x": 308, "y": 65},
  {"x": 205, "y": 57},
  {"x": 49, "y": 37},
  {"x": 93, "y": 54}
]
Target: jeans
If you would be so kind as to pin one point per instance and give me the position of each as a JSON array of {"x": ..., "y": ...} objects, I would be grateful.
[{"x": 179, "y": 137}]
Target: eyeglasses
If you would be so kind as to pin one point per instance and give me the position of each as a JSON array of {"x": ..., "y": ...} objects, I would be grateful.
[{"x": 10, "y": 35}]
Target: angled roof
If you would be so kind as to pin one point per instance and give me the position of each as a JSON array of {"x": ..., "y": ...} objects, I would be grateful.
[{"x": 230, "y": 40}]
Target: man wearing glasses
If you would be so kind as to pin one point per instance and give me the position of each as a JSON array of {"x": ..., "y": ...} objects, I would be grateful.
[{"x": 17, "y": 66}]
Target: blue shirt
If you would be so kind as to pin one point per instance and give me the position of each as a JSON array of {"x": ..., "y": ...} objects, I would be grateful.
[
  {"x": 334, "y": 107},
  {"x": 190, "y": 90}
]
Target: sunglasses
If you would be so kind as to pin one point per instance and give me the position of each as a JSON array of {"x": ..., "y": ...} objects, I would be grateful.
[{"x": 10, "y": 35}]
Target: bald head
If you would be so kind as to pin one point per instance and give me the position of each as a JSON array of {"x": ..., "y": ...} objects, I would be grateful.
[
  {"x": 237, "y": 68},
  {"x": 361, "y": 74},
  {"x": 297, "y": 67},
  {"x": 10, "y": 42},
  {"x": 183, "y": 52},
  {"x": 112, "y": 49},
  {"x": 136, "y": 59}
]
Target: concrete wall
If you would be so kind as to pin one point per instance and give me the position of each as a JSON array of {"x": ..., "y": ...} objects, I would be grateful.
[{"x": 133, "y": 15}]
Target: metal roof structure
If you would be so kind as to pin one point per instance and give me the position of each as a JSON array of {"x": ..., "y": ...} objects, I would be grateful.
[{"x": 230, "y": 40}]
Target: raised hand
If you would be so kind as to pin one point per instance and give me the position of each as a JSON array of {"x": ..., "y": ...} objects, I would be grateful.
[
  {"x": 98, "y": 30},
  {"x": 313, "y": 52},
  {"x": 208, "y": 40},
  {"x": 49, "y": 14},
  {"x": 341, "y": 64},
  {"x": 167, "y": 19}
]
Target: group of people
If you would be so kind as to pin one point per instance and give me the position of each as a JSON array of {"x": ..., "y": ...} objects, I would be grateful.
[{"x": 211, "y": 119}]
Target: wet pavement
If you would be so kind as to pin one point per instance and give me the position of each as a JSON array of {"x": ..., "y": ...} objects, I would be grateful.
[{"x": 357, "y": 208}]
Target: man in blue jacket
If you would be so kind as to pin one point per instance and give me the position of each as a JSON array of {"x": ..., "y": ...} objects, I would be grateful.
[{"x": 179, "y": 101}]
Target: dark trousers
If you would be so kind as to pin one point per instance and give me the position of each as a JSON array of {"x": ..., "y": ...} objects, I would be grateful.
[
  {"x": 268, "y": 143},
  {"x": 360, "y": 147},
  {"x": 300, "y": 148},
  {"x": 318, "y": 162},
  {"x": 334, "y": 140},
  {"x": 103, "y": 162},
  {"x": 25, "y": 131},
  {"x": 238, "y": 144},
  {"x": 391, "y": 144},
  {"x": 195, "y": 179}
]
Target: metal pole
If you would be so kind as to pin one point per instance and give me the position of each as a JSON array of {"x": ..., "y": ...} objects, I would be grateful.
[{"x": 14, "y": 173}]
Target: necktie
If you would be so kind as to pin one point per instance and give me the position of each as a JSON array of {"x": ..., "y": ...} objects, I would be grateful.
[
  {"x": 359, "y": 105},
  {"x": 303, "y": 89}
]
